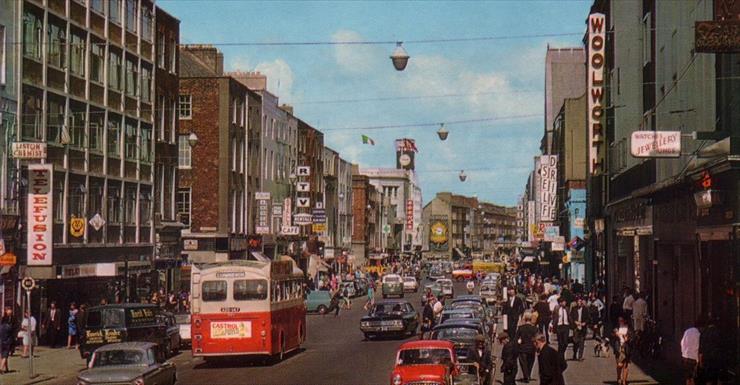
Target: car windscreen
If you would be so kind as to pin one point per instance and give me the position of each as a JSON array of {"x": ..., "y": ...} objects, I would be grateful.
[
  {"x": 250, "y": 289},
  {"x": 391, "y": 280},
  {"x": 409, "y": 279},
  {"x": 213, "y": 291},
  {"x": 182, "y": 318},
  {"x": 386, "y": 308},
  {"x": 119, "y": 357},
  {"x": 105, "y": 318},
  {"x": 453, "y": 333},
  {"x": 424, "y": 357}
]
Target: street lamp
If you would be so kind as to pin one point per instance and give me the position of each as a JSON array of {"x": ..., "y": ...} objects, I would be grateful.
[
  {"x": 192, "y": 139},
  {"x": 462, "y": 176},
  {"x": 400, "y": 57},
  {"x": 292, "y": 178},
  {"x": 442, "y": 132}
]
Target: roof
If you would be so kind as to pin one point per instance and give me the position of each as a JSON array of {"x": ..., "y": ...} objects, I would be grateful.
[
  {"x": 191, "y": 66},
  {"x": 427, "y": 344},
  {"x": 126, "y": 345}
]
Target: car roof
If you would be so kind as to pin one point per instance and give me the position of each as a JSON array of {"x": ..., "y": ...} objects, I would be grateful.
[
  {"x": 127, "y": 346},
  {"x": 390, "y": 301},
  {"x": 425, "y": 344},
  {"x": 470, "y": 297},
  {"x": 459, "y": 310},
  {"x": 456, "y": 323}
]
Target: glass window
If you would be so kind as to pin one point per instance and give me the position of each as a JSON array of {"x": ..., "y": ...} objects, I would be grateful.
[
  {"x": 146, "y": 22},
  {"x": 97, "y": 6},
  {"x": 32, "y": 30},
  {"x": 76, "y": 126},
  {"x": 57, "y": 39},
  {"x": 118, "y": 358},
  {"x": 77, "y": 54},
  {"x": 213, "y": 291},
  {"x": 145, "y": 208},
  {"x": 146, "y": 84},
  {"x": 32, "y": 115},
  {"x": 182, "y": 205},
  {"x": 184, "y": 152},
  {"x": 185, "y": 105},
  {"x": 161, "y": 54},
  {"x": 114, "y": 137},
  {"x": 54, "y": 120},
  {"x": 130, "y": 140},
  {"x": 250, "y": 289},
  {"x": 114, "y": 205},
  {"x": 131, "y": 15},
  {"x": 114, "y": 10},
  {"x": 2, "y": 54},
  {"x": 132, "y": 77},
  {"x": 146, "y": 144},
  {"x": 97, "y": 62},
  {"x": 114, "y": 70},
  {"x": 95, "y": 138},
  {"x": 129, "y": 203}
]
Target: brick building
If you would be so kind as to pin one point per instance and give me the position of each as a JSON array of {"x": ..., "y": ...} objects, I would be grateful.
[
  {"x": 366, "y": 202},
  {"x": 212, "y": 190}
]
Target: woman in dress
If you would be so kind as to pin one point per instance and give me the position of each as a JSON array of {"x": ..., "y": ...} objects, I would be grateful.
[
  {"x": 622, "y": 352},
  {"x": 27, "y": 333},
  {"x": 72, "y": 326},
  {"x": 6, "y": 343}
]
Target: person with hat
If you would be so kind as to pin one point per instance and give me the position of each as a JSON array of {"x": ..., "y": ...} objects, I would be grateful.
[{"x": 509, "y": 355}]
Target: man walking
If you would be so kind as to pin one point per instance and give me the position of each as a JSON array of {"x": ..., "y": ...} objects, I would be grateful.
[
  {"x": 544, "y": 315},
  {"x": 427, "y": 318},
  {"x": 561, "y": 321},
  {"x": 508, "y": 356},
  {"x": 551, "y": 364},
  {"x": 52, "y": 324},
  {"x": 690, "y": 352},
  {"x": 580, "y": 317},
  {"x": 524, "y": 336},
  {"x": 513, "y": 309},
  {"x": 639, "y": 313}
]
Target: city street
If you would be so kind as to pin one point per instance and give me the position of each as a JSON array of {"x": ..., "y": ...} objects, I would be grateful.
[{"x": 335, "y": 353}]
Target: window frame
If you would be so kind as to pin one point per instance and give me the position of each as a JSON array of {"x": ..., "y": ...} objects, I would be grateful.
[
  {"x": 181, "y": 203},
  {"x": 185, "y": 101},
  {"x": 184, "y": 153}
]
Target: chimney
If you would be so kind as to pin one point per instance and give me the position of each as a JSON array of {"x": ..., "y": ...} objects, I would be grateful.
[
  {"x": 208, "y": 55},
  {"x": 287, "y": 108},
  {"x": 255, "y": 80}
]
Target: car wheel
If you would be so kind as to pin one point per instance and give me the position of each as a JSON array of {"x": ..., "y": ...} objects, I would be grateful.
[{"x": 322, "y": 309}]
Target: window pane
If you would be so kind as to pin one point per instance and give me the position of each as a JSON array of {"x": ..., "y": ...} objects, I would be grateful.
[
  {"x": 213, "y": 291},
  {"x": 184, "y": 154},
  {"x": 184, "y": 107},
  {"x": 250, "y": 289}
]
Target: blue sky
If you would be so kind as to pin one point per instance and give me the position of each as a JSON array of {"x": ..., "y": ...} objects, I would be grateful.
[{"x": 498, "y": 78}]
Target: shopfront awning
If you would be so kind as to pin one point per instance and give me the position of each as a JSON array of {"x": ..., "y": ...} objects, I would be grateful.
[{"x": 260, "y": 256}]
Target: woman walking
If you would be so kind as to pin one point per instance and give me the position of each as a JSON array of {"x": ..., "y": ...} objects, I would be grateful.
[
  {"x": 370, "y": 295},
  {"x": 623, "y": 351},
  {"x": 27, "y": 333},
  {"x": 6, "y": 343},
  {"x": 72, "y": 326}
]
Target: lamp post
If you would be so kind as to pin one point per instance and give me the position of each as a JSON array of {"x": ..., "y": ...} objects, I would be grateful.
[
  {"x": 442, "y": 132},
  {"x": 192, "y": 139},
  {"x": 462, "y": 176}
]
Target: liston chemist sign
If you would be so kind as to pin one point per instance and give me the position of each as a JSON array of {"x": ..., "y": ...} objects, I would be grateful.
[{"x": 39, "y": 215}]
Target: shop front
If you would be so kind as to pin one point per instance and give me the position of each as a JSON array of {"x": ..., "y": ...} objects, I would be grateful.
[{"x": 630, "y": 246}]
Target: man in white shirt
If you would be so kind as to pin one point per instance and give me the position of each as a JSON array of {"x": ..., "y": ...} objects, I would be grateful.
[
  {"x": 690, "y": 353},
  {"x": 552, "y": 300},
  {"x": 438, "y": 308},
  {"x": 639, "y": 312},
  {"x": 561, "y": 324},
  {"x": 627, "y": 304}
]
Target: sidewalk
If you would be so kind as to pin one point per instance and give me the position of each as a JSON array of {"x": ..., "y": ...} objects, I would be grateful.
[
  {"x": 591, "y": 371},
  {"x": 48, "y": 364}
]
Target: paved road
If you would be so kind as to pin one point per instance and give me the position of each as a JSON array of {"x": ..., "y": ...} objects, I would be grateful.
[{"x": 335, "y": 353}]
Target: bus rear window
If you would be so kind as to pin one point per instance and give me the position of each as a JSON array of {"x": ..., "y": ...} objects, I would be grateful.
[
  {"x": 250, "y": 289},
  {"x": 213, "y": 290}
]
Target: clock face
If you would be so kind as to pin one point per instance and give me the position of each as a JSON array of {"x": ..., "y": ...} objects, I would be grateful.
[{"x": 404, "y": 160}]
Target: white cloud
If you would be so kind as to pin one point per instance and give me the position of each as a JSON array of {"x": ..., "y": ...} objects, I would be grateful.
[
  {"x": 279, "y": 78},
  {"x": 355, "y": 58}
]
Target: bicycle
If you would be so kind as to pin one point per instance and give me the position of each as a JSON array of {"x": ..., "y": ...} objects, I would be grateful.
[{"x": 649, "y": 343}]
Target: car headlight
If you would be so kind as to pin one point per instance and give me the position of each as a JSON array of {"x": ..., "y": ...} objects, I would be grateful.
[
  {"x": 398, "y": 322},
  {"x": 138, "y": 381},
  {"x": 82, "y": 382},
  {"x": 397, "y": 379}
]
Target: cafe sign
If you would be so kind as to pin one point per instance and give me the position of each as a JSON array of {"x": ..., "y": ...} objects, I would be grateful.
[{"x": 39, "y": 215}]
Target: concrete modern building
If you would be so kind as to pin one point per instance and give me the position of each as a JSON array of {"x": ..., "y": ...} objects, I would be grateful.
[
  {"x": 212, "y": 189},
  {"x": 565, "y": 77},
  {"x": 85, "y": 80}
]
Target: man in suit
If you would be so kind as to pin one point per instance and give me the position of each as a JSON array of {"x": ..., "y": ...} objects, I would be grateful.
[
  {"x": 551, "y": 364},
  {"x": 513, "y": 309},
  {"x": 561, "y": 323},
  {"x": 52, "y": 324},
  {"x": 580, "y": 318},
  {"x": 524, "y": 336},
  {"x": 509, "y": 355}
]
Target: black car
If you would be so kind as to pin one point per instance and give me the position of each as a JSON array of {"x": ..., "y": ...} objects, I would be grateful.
[
  {"x": 390, "y": 317},
  {"x": 472, "y": 344}
]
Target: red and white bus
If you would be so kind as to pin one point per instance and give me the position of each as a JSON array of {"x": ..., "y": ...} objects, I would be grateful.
[{"x": 247, "y": 308}]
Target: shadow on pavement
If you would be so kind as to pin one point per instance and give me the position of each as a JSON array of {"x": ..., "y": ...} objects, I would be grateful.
[{"x": 245, "y": 361}]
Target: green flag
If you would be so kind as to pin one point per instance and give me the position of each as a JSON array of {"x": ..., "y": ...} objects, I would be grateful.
[{"x": 366, "y": 140}]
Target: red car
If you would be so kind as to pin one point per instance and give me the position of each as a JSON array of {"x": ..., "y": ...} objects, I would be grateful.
[{"x": 431, "y": 362}]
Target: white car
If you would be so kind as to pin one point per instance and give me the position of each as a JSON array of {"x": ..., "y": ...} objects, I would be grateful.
[
  {"x": 183, "y": 322},
  {"x": 447, "y": 287},
  {"x": 410, "y": 284}
]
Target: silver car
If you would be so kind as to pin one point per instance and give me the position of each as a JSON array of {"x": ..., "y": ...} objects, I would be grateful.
[{"x": 136, "y": 363}]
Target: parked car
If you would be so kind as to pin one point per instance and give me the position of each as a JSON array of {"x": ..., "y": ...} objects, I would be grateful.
[
  {"x": 318, "y": 301},
  {"x": 448, "y": 289},
  {"x": 462, "y": 274},
  {"x": 390, "y": 317},
  {"x": 183, "y": 323},
  {"x": 140, "y": 363},
  {"x": 425, "y": 362},
  {"x": 436, "y": 273},
  {"x": 108, "y": 324},
  {"x": 392, "y": 286},
  {"x": 410, "y": 284},
  {"x": 174, "y": 342}
]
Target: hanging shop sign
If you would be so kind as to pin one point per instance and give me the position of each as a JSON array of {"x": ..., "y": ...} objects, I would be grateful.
[
  {"x": 595, "y": 92},
  {"x": 303, "y": 171},
  {"x": 28, "y": 150},
  {"x": 548, "y": 172},
  {"x": 263, "y": 213},
  {"x": 303, "y": 202},
  {"x": 8, "y": 259},
  {"x": 551, "y": 232},
  {"x": 290, "y": 230},
  {"x": 287, "y": 212},
  {"x": 303, "y": 219},
  {"x": 655, "y": 144},
  {"x": 97, "y": 222},
  {"x": 39, "y": 215},
  {"x": 409, "y": 214},
  {"x": 76, "y": 227},
  {"x": 318, "y": 227}
]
